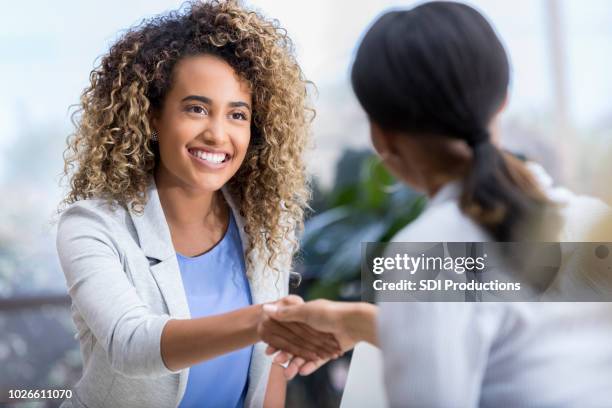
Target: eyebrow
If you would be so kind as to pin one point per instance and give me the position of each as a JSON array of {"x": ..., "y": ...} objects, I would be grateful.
[{"x": 208, "y": 101}]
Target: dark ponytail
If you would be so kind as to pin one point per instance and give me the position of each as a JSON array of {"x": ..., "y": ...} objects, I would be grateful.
[
  {"x": 499, "y": 193},
  {"x": 439, "y": 69}
]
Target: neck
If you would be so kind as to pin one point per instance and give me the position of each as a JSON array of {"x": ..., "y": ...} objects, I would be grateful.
[
  {"x": 436, "y": 182},
  {"x": 185, "y": 206},
  {"x": 439, "y": 161}
]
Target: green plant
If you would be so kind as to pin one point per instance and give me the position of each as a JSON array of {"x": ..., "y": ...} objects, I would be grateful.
[{"x": 360, "y": 208}]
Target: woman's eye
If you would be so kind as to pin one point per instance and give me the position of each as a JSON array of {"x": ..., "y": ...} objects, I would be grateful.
[
  {"x": 238, "y": 116},
  {"x": 197, "y": 109}
]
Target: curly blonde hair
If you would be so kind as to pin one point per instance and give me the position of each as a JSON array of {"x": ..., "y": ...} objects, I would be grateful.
[{"x": 111, "y": 155}]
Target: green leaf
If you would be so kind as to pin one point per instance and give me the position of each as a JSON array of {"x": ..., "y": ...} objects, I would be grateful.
[
  {"x": 404, "y": 218},
  {"x": 320, "y": 290},
  {"x": 348, "y": 195},
  {"x": 320, "y": 222},
  {"x": 375, "y": 180},
  {"x": 345, "y": 263}
]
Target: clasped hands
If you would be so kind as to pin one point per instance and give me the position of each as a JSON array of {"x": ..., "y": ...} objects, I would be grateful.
[{"x": 307, "y": 335}]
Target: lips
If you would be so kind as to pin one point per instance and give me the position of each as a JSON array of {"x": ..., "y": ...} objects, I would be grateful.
[{"x": 209, "y": 155}]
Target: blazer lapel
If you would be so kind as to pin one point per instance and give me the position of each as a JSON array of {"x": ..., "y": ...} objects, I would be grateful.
[
  {"x": 156, "y": 243},
  {"x": 260, "y": 293}
]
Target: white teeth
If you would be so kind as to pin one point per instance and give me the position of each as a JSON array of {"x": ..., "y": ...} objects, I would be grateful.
[{"x": 211, "y": 157}]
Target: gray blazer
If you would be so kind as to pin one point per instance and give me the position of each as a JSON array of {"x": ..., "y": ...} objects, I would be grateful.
[{"x": 125, "y": 284}]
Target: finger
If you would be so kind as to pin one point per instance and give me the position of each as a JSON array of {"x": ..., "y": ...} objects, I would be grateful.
[
  {"x": 328, "y": 339},
  {"x": 310, "y": 367},
  {"x": 291, "y": 337},
  {"x": 307, "y": 338},
  {"x": 297, "y": 362},
  {"x": 290, "y": 372},
  {"x": 283, "y": 344},
  {"x": 316, "y": 337},
  {"x": 310, "y": 339},
  {"x": 293, "y": 368},
  {"x": 278, "y": 337},
  {"x": 322, "y": 342},
  {"x": 282, "y": 357}
]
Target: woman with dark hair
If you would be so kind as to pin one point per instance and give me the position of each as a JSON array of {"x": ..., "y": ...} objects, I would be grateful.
[
  {"x": 186, "y": 195},
  {"x": 433, "y": 81},
  {"x": 440, "y": 79}
]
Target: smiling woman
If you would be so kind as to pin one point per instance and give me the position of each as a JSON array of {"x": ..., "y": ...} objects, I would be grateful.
[{"x": 186, "y": 194}]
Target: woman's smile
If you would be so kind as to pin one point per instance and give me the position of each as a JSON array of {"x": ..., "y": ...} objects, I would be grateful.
[{"x": 209, "y": 158}]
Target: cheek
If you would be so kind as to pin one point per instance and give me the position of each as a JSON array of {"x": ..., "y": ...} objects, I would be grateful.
[
  {"x": 375, "y": 139},
  {"x": 181, "y": 134},
  {"x": 376, "y": 147},
  {"x": 172, "y": 142},
  {"x": 241, "y": 144},
  {"x": 170, "y": 149}
]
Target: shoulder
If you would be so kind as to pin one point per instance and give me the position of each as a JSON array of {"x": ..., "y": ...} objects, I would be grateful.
[
  {"x": 581, "y": 216},
  {"x": 94, "y": 210},
  {"x": 94, "y": 218},
  {"x": 444, "y": 222},
  {"x": 580, "y": 213}
]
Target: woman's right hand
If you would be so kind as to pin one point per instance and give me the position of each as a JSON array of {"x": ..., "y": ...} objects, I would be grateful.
[
  {"x": 348, "y": 322},
  {"x": 294, "y": 337}
]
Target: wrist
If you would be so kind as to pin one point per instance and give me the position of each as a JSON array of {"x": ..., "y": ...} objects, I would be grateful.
[
  {"x": 359, "y": 321},
  {"x": 257, "y": 316}
]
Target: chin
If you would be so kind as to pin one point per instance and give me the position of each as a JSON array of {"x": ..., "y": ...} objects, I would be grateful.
[
  {"x": 209, "y": 184},
  {"x": 211, "y": 181}
]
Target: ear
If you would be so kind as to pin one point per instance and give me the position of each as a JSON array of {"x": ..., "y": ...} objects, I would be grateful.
[{"x": 153, "y": 119}]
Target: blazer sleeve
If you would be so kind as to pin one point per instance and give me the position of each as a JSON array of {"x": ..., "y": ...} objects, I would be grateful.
[{"x": 120, "y": 321}]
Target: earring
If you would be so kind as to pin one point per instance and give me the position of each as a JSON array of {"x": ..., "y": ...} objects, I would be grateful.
[{"x": 154, "y": 136}]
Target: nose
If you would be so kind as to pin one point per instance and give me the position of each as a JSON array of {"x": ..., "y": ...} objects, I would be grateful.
[{"x": 214, "y": 132}]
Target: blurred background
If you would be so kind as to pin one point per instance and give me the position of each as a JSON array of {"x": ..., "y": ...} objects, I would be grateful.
[{"x": 559, "y": 114}]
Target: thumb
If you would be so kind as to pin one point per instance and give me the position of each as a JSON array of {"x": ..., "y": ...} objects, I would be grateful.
[
  {"x": 270, "y": 309},
  {"x": 286, "y": 313},
  {"x": 290, "y": 300}
]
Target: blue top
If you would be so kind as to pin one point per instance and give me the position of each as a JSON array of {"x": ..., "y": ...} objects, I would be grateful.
[{"x": 215, "y": 282}]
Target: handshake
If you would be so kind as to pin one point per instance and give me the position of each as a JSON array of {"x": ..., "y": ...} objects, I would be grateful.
[{"x": 308, "y": 335}]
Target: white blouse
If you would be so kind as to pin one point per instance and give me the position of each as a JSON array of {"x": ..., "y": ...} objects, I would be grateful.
[{"x": 495, "y": 354}]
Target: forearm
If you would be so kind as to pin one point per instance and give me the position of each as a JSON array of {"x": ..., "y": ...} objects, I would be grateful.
[
  {"x": 190, "y": 341},
  {"x": 359, "y": 319}
]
